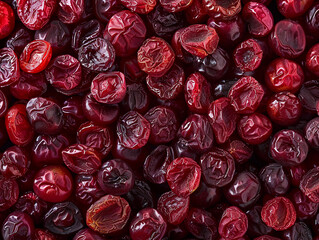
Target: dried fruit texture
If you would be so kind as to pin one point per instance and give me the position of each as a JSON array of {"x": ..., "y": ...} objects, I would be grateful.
[
  {"x": 169, "y": 86},
  {"x": 126, "y": 31},
  {"x": 97, "y": 55},
  {"x": 288, "y": 148},
  {"x": 312, "y": 59},
  {"x": 248, "y": 55},
  {"x": 284, "y": 75},
  {"x": 309, "y": 185},
  {"x": 245, "y": 95},
  {"x": 183, "y": 176},
  {"x": 140, "y": 6},
  {"x": 108, "y": 214},
  {"x": 35, "y": 56},
  {"x": 34, "y": 14},
  {"x": 148, "y": 224},
  {"x": 7, "y": 20},
  {"x": 196, "y": 12},
  {"x": 197, "y": 93},
  {"x": 9, "y": 67},
  {"x": 279, "y": 213},
  {"x": 223, "y": 119},
  {"x": 155, "y": 57},
  {"x": 312, "y": 133},
  {"x": 175, "y": 5},
  {"x": 9, "y": 193},
  {"x": 133, "y": 130},
  {"x": 109, "y": 88},
  {"x": 293, "y": 9},
  {"x": 233, "y": 223},
  {"x": 218, "y": 168},
  {"x": 309, "y": 95},
  {"x": 70, "y": 12},
  {"x": 173, "y": 208},
  {"x": 223, "y": 10},
  {"x": 199, "y": 40}
]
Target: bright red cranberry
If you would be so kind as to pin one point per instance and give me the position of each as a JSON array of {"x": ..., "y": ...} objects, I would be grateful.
[
  {"x": 223, "y": 118},
  {"x": 98, "y": 113},
  {"x": 9, "y": 193},
  {"x": 18, "y": 127},
  {"x": 7, "y": 21},
  {"x": 9, "y": 66},
  {"x": 233, "y": 224},
  {"x": 274, "y": 179},
  {"x": 70, "y": 12},
  {"x": 201, "y": 224},
  {"x": 255, "y": 128},
  {"x": 197, "y": 93},
  {"x": 288, "y": 148},
  {"x": 222, "y": 9},
  {"x": 18, "y": 225},
  {"x": 155, "y": 57},
  {"x": 183, "y": 176},
  {"x": 309, "y": 185},
  {"x": 133, "y": 130},
  {"x": 116, "y": 177},
  {"x": 312, "y": 133},
  {"x": 63, "y": 218},
  {"x": 245, "y": 95},
  {"x": 35, "y": 56},
  {"x": 231, "y": 32},
  {"x": 97, "y": 54},
  {"x": 87, "y": 234},
  {"x": 196, "y": 12},
  {"x": 218, "y": 168},
  {"x": 175, "y": 5},
  {"x": 312, "y": 59},
  {"x": 115, "y": 211},
  {"x": 109, "y": 88},
  {"x": 279, "y": 213},
  {"x": 64, "y": 73},
  {"x": 163, "y": 124},
  {"x": 293, "y": 8},
  {"x": 244, "y": 190},
  {"x": 29, "y": 86},
  {"x": 34, "y": 14},
  {"x": 126, "y": 31},
  {"x": 284, "y": 75},
  {"x": 258, "y": 18},
  {"x": 168, "y": 86},
  {"x": 148, "y": 224},
  {"x": 199, "y": 40},
  {"x": 240, "y": 151},
  {"x": 248, "y": 55},
  {"x": 139, "y": 6},
  {"x": 288, "y": 39},
  {"x": 197, "y": 132},
  {"x": 14, "y": 162},
  {"x": 284, "y": 108},
  {"x": 45, "y": 115},
  {"x": 173, "y": 208},
  {"x": 53, "y": 183},
  {"x": 305, "y": 208}
]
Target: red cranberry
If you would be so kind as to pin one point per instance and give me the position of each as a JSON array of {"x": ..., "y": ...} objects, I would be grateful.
[
  {"x": 312, "y": 133},
  {"x": 9, "y": 193},
  {"x": 256, "y": 227},
  {"x": 149, "y": 224},
  {"x": 137, "y": 98},
  {"x": 240, "y": 151},
  {"x": 7, "y": 20},
  {"x": 288, "y": 39},
  {"x": 19, "y": 39},
  {"x": 309, "y": 95},
  {"x": 233, "y": 224},
  {"x": 279, "y": 213},
  {"x": 222, "y": 9},
  {"x": 9, "y": 71},
  {"x": 41, "y": 234},
  {"x": 288, "y": 148},
  {"x": 53, "y": 183},
  {"x": 196, "y": 12},
  {"x": 139, "y": 6},
  {"x": 309, "y": 185},
  {"x": 87, "y": 234},
  {"x": 70, "y": 12},
  {"x": 312, "y": 59},
  {"x": 293, "y": 9},
  {"x": 175, "y": 5},
  {"x": 183, "y": 176}
]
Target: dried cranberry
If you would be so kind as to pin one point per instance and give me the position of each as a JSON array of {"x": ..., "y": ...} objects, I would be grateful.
[
  {"x": 205, "y": 196},
  {"x": 196, "y": 12},
  {"x": 149, "y": 224},
  {"x": 9, "y": 67},
  {"x": 256, "y": 227},
  {"x": 19, "y": 39},
  {"x": 240, "y": 151},
  {"x": 126, "y": 31},
  {"x": 158, "y": 64},
  {"x": 105, "y": 9},
  {"x": 139, "y": 6},
  {"x": 293, "y": 9},
  {"x": 9, "y": 193},
  {"x": 288, "y": 148},
  {"x": 233, "y": 223},
  {"x": 175, "y": 5},
  {"x": 183, "y": 176},
  {"x": 87, "y": 234},
  {"x": 222, "y": 9},
  {"x": 309, "y": 95},
  {"x": 312, "y": 133},
  {"x": 7, "y": 21},
  {"x": 309, "y": 185},
  {"x": 245, "y": 95},
  {"x": 34, "y": 14},
  {"x": 41, "y": 234},
  {"x": 70, "y": 11},
  {"x": 299, "y": 230},
  {"x": 279, "y": 213},
  {"x": 137, "y": 98},
  {"x": 115, "y": 211},
  {"x": 35, "y": 56},
  {"x": 18, "y": 225},
  {"x": 53, "y": 183},
  {"x": 312, "y": 59}
]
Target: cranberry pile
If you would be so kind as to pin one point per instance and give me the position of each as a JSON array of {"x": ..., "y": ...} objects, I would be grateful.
[{"x": 159, "y": 119}]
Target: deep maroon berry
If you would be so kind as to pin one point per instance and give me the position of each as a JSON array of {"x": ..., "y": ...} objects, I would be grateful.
[{"x": 18, "y": 225}]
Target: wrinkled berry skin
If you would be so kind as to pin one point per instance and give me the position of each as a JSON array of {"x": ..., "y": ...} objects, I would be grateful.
[
  {"x": 293, "y": 9},
  {"x": 312, "y": 59},
  {"x": 312, "y": 133},
  {"x": 309, "y": 185}
]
